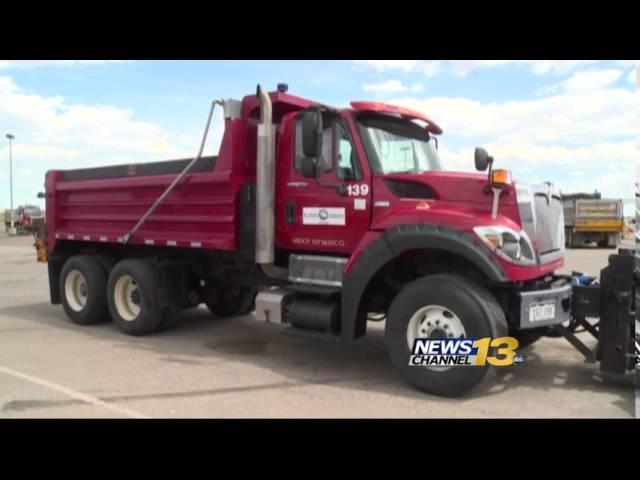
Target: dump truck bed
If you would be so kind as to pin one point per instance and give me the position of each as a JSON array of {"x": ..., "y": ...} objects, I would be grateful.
[
  {"x": 591, "y": 214},
  {"x": 103, "y": 205}
]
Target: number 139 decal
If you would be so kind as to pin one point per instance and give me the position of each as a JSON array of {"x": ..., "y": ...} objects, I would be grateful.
[{"x": 358, "y": 190}]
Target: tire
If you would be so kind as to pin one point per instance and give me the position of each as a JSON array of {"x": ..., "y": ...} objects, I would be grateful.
[
  {"x": 83, "y": 290},
  {"x": 477, "y": 311},
  {"x": 569, "y": 238},
  {"x": 106, "y": 262},
  {"x": 234, "y": 301},
  {"x": 131, "y": 299}
]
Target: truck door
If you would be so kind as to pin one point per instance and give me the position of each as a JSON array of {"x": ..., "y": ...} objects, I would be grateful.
[{"x": 332, "y": 213}]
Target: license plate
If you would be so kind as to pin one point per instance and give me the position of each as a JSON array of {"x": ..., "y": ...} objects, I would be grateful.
[{"x": 539, "y": 312}]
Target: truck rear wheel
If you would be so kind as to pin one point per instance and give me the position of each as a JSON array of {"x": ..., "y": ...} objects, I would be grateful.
[
  {"x": 613, "y": 240},
  {"x": 442, "y": 306},
  {"x": 234, "y": 301},
  {"x": 106, "y": 262},
  {"x": 83, "y": 290},
  {"x": 569, "y": 238},
  {"x": 131, "y": 298}
]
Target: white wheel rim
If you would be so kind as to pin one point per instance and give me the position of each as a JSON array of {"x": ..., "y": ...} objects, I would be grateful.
[
  {"x": 75, "y": 290},
  {"x": 126, "y": 297},
  {"x": 434, "y": 321}
]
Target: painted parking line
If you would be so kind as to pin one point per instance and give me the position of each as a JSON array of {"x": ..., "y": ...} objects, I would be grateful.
[{"x": 72, "y": 393}]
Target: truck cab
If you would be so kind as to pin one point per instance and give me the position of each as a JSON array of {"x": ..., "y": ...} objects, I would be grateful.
[
  {"x": 364, "y": 205},
  {"x": 24, "y": 218},
  {"x": 379, "y": 166}
]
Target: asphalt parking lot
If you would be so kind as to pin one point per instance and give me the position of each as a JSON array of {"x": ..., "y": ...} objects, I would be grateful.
[{"x": 207, "y": 367}]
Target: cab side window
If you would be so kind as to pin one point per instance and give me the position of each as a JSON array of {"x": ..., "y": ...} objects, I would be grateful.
[
  {"x": 348, "y": 163},
  {"x": 337, "y": 150},
  {"x": 326, "y": 161}
]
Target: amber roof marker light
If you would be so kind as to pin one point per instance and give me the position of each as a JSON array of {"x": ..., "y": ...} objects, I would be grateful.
[{"x": 382, "y": 108}]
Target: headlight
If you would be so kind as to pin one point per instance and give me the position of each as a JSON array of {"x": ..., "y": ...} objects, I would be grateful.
[{"x": 513, "y": 246}]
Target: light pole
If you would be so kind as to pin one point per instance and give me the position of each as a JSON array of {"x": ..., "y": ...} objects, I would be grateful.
[{"x": 11, "y": 137}]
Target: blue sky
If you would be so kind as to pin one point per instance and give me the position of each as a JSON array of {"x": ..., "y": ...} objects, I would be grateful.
[{"x": 571, "y": 122}]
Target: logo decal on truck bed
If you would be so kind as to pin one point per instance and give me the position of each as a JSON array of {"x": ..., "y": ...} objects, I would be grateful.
[{"x": 323, "y": 216}]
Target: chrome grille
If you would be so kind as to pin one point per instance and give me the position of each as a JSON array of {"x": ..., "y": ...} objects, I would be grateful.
[
  {"x": 542, "y": 217},
  {"x": 549, "y": 222}
]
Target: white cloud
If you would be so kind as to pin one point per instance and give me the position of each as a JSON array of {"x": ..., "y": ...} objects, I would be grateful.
[
  {"x": 392, "y": 86},
  {"x": 385, "y": 65},
  {"x": 613, "y": 184},
  {"x": 606, "y": 166},
  {"x": 428, "y": 67},
  {"x": 51, "y": 133},
  {"x": 465, "y": 67},
  {"x": 606, "y": 155},
  {"x": 581, "y": 139},
  {"x": 5, "y": 64},
  {"x": 557, "y": 67},
  {"x": 627, "y": 63},
  {"x": 584, "y": 81},
  {"x": 582, "y": 118}
]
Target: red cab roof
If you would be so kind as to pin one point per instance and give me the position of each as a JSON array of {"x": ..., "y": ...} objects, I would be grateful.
[{"x": 432, "y": 127}]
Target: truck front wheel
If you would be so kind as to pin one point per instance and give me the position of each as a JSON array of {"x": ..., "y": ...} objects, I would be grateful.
[
  {"x": 233, "y": 301},
  {"x": 131, "y": 298},
  {"x": 441, "y": 306},
  {"x": 83, "y": 285}
]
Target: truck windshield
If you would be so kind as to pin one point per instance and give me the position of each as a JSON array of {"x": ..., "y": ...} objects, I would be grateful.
[{"x": 398, "y": 146}]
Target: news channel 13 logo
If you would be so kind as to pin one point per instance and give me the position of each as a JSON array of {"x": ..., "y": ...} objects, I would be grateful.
[{"x": 465, "y": 352}]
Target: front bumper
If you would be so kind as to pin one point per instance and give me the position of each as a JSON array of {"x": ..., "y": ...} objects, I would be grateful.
[{"x": 556, "y": 299}]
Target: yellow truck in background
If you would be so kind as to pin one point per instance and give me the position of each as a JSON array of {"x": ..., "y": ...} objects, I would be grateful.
[{"x": 590, "y": 218}]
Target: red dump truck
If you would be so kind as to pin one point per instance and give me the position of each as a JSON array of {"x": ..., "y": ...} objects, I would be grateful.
[
  {"x": 25, "y": 219},
  {"x": 319, "y": 219}
]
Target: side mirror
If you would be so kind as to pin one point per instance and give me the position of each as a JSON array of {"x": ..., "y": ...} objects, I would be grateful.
[
  {"x": 309, "y": 169},
  {"x": 483, "y": 160},
  {"x": 312, "y": 133},
  {"x": 41, "y": 195}
]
